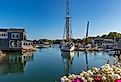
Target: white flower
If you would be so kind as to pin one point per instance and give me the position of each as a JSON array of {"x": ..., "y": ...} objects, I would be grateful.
[
  {"x": 62, "y": 80},
  {"x": 67, "y": 80},
  {"x": 95, "y": 69},
  {"x": 90, "y": 72},
  {"x": 87, "y": 75},
  {"x": 89, "y": 79},
  {"x": 70, "y": 77},
  {"x": 74, "y": 76},
  {"x": 120, "y": 73},
  {"x": 64, "y": 77},
  {"x": 83, "y": 78},
  {"x": 84, "y": 74},
  {"x": 104, "y": 78},
  {"x": 78, "y": 76},
  {"x": 81, "y": 74},
  {"x": 116, "y": 76},
  {"x": 106, "y": 66},
  {"x": 113, "y": 67}
]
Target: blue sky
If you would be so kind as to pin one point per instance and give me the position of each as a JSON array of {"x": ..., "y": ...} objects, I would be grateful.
[{"x": 45, "y": 18}]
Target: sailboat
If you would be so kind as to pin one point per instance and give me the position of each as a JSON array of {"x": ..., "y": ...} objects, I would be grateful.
[
  {"x": 67, "y": 44},
  {"x": 85, "y": 46}
]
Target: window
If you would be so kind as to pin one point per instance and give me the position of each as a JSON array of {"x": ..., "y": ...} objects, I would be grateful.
[
  {"x": 3, "y": 35},
  {"x": 15, "y": 36},
  {"x": 24, "y": 44}
]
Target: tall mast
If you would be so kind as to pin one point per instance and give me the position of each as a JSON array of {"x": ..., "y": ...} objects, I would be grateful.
[
  {"x": 87, "y": 31},
  {"x": 68, "y": 30}
]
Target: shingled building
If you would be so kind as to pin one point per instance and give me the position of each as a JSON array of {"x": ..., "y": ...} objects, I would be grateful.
[{"x": 14, "y": 39}]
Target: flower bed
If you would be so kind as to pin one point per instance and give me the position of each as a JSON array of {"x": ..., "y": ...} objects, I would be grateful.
[{"x": 107, "y": 73}]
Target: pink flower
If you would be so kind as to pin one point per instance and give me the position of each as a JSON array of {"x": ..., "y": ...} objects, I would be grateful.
[
  {"x": 73, "y": 80},
  {"x": 98, "y": 79},
  {"x": 118, "y": 80},
  {"x": 77, "y": 80}
]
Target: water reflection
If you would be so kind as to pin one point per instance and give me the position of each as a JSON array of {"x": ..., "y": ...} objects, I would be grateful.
[
  {"x": 14, "y": 62},
  {"x": 88, "y": 61},
  {"x": 86, "y": 57},
  {"x": 68, "y": 58}
]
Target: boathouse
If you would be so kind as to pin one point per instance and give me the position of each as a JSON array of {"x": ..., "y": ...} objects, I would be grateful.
[{"x": 14, "y": 39}]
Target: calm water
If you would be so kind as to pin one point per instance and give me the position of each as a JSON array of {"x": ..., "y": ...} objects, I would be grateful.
[{"x": 47, "y": 65}]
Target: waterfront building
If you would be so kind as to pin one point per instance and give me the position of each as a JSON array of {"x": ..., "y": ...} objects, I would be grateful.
[
  {"x": 97, "y": 42},
  {"x": 14, "y": 39},
  {"x": 104, "y": 43},
  {"x": 109, "y": 44}
]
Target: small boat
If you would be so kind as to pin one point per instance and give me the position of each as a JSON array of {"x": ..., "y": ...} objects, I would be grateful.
[{"x": 44, "y": 45}]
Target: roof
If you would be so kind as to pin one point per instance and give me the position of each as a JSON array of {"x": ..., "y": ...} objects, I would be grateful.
[
  {"x": 16, "y": 30},
  {"x": 3, "y": 30},
  {"x": 99, "y": 39},
  {"x": 109, "y": 40},
  {"x": 12, "y": 30},
  {"x": 28, "y": 41}
]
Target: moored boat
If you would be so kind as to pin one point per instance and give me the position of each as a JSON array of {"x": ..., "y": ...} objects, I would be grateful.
[
  {"x": 44, "y": 45},
  {"x": 67, "y": 44}
]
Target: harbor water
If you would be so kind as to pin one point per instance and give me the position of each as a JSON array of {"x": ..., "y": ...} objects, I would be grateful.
[{"x": 49, "y": 64}]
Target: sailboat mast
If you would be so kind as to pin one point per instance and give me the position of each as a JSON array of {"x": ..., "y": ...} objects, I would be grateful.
[
  {"x": 87, "y": 31},
  {"x": 68, "y": 30}
]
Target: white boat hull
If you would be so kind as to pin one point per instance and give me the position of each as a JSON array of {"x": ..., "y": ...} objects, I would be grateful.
[{"x": 67, "y": 48}]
